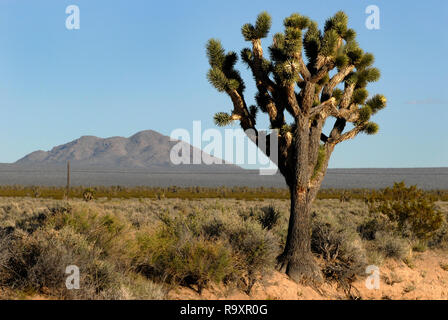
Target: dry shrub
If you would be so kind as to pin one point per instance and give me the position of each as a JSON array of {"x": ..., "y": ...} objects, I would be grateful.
[
  {"x": 255, "y": 250},
  {"x": 341, "y": 251},
  {"x": 37, "y": 262},
  {"x": 391, "y": 246},
  {"x": 34, "y": 256},
  {"x": 176, "y": 255},
  {"x": 195, "y": 250}
]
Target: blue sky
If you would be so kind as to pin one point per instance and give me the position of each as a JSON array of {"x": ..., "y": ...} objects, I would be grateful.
[{"x": 140, "y": 64}]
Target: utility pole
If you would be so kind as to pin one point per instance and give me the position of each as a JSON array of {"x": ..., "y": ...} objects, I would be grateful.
[{"x": 68, "y": 179}]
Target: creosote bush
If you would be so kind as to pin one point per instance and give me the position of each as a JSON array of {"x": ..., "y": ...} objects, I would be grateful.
[{"x": 413, "y": 213}]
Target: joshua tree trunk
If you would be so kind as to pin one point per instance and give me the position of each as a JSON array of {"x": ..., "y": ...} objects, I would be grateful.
[{"x": 297, "y": 260}]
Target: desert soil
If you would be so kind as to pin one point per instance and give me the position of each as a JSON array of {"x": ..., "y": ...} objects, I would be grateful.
[{"x": 424, "y": 277}]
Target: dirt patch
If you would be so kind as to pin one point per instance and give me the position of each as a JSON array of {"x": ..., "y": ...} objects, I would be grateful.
[{"x": 423, "y": 276}]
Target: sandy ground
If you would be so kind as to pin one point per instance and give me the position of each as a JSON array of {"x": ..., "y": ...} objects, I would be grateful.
[{"x": 424, "y": 277}]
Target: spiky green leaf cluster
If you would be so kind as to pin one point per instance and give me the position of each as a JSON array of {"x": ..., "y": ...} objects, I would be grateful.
[
  {"x": 371, "y": 128},
  {"x": 222, "y": 74},
  {"x": 215, "y": 53},
  {"x": 329, "y": 43},
  {"x": 253, "y": 110},
  {"x": 367, "y": 75},
  {"x": 353, "y": 52},
  {"x": 293, "y": 41},
  {"x": 341, "y": 61},
  {"x": 248, "y": 31},
  {"x": 376, "y": 103},
  {"x": 217, "y": 78},
  {"x": 222, "y": 119},
  {"x": 337, "y": 23},
  {"x": 286, "y": 72},
  {"x": 286, "y": 48},
  {"x": 229, "y": 61},
  {"x": 260, "y": 30},
  {"x": 351, "y": 78},
  {"x": 350, "y": 35},
  {"x": 296, "y": 21},
  {"x": 364, "y": 114},
  {"x": 366, "y": 61},
  {"x": 263, "y": 24},
  {"x": 277, "y": 50},
  {"x": 322, "y": 82},
  {"x": 360, "y": 95},
  {"x": 337, "y": 94},
  {"x": 312, "y": 41},
  {"x": 246, "y": 55}
]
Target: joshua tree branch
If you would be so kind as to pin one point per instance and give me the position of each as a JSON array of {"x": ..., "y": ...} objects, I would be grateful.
[
  {"x": 260, "y": 76},
  {"x": 304, "y": 72},
  {"x": 240, "y": 111},
  {"x": 326, "y": 107},
  {"x": 334, "y": 81},
  {"x": 348, "y": 135},
  {"x": 293, "y": 106}
]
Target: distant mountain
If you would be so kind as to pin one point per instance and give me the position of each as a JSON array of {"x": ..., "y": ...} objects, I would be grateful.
[{"x": 144, "y": 150}]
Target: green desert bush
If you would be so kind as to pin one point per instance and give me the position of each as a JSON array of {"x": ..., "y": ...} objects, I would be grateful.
[
  {"x": 413, "y": 211},
  {"x": 440, "y": 237},
  {"x": 102, "y": 229},
  {"x": 176, "y": 256},
  {"x": 401, "y": 218}
]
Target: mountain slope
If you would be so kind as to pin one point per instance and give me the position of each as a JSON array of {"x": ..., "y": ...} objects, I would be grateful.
[{"x": 145, "y": 149}]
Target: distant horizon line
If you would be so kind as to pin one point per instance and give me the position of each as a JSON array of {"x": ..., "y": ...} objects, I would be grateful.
[{"x": 108, "y": 168}]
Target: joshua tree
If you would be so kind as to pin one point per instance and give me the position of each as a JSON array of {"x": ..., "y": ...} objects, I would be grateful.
[
  {"x": 88, "y": 194},
  {"x": 330, "y": 82}
]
